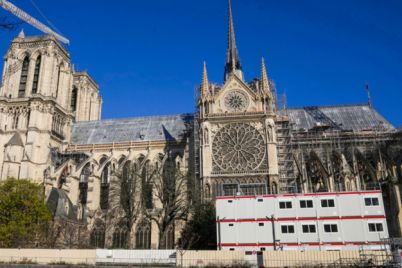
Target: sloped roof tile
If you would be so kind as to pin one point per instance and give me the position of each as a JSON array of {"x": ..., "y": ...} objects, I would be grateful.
[{"x": 150, "y": 128}]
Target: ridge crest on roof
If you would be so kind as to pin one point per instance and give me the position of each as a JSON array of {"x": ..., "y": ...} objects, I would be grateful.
[
  {"x": 136, "y": 118},
  {"x": 330, "y": 106}
]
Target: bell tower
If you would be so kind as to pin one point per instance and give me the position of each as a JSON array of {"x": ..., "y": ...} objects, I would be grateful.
[
  {"x": 40, "y": 97},
  {"x": 238, "y": 147}
]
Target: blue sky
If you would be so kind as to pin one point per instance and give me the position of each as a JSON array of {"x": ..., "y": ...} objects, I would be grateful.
[{"x": 147, "y": 55}]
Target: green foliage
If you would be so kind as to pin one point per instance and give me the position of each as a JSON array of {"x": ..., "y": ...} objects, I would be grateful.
[
  {"x": 200, "y": 231},
  {"x": 23, "y": 213}
]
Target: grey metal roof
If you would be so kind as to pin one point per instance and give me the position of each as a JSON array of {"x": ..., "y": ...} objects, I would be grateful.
[
  {"x": 150, "y": 128},
  {"x": 344, "y": 117},
  {"x": 174, "y": 127}
]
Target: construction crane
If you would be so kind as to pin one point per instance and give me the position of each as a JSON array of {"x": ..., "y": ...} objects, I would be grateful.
[{"x": 32, "y": 21}]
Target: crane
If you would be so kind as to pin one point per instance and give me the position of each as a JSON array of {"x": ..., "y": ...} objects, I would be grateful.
[{"x": 32, "y": 21}]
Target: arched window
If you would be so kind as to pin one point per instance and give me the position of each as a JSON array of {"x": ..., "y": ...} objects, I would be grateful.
[
  {"x": 143, "y": 235},
  {"x": 83, "y": 185},
  {"x": 24, "y": 77},
  {"x": 97, "y": 238},
  {"x": 167, "y": 241},
  {"x": 73, "y": 104},
  {"x": 36, "y": 75},
  {"x": 28, "y": 118},
  {"x": 104, "y": 191},
  {"x": 146, "y": 187},
  {"x": 102, "y": 160},
  {"x": 126, "y": 185},
  {"x": 58, "y": 81},
  {"x": 121, "y": 160},
  {"x": 16, "y": 119},
  {"x": 120, "y": 237},
  {"x": 274, "y": 188}
]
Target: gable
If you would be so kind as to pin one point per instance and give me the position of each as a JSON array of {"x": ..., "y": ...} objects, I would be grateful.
[{"x": 235, "y": 89}]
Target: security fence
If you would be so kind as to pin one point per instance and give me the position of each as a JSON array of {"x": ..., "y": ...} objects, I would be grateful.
[{"x": 182, "y": 258}]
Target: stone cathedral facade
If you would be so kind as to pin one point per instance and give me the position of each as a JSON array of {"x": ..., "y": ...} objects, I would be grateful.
[{"x": 237, "y": 142}]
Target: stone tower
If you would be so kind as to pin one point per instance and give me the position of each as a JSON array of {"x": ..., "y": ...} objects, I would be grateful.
[
  {"x": 238, "y": 148},
  {"x": 40, "y": 97}
]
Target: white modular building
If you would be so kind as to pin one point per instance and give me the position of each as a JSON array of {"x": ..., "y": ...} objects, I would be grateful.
[{"x": 311, "y": 221}]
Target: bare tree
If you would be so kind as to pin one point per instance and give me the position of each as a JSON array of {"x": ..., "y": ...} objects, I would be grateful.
[
  {"x": 65, "y": 233},
  {"x": 170, "y": 191},
  {"x": 154, "y": 191},
  {"x": 125, "y": 202}
]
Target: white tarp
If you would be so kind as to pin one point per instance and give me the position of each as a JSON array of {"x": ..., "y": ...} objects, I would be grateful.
[{"x": 136, "y": 256}]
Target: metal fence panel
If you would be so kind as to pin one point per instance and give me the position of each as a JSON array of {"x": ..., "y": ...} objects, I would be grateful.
[{"x": 120, "y": 256}]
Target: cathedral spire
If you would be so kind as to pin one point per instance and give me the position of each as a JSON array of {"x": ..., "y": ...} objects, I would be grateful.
[
  {"x": 21, "y": 34},
  {"x": 264, "y": 77},
  {"x": 205, "y": 83},
  {"x": 232, "y": 64}
]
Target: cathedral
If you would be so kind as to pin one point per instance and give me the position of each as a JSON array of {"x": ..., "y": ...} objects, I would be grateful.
[{"x": 239, "y": 141}]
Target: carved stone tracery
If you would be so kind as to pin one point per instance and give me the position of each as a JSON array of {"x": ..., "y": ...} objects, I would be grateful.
[{"x": 238, "y": 147}]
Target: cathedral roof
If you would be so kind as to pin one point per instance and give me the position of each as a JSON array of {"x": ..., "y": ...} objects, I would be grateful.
[
  {"x": 140, "y": 129},
  {"x": 358, "y": 117},
  {"x": 342, "y": 117}
]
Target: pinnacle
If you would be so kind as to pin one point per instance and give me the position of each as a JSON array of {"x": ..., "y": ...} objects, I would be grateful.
[
  {"x": 205, "y": 83},
  {"x": 264, "y": 77},
  {"x": 21, "y": 34}
]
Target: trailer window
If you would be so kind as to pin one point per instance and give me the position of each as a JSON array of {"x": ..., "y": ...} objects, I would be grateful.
[
  {"x": 288, "y": 229},
  {"x": 285, "y": 204},
  {"x": 375, "y": 227},
  {"x": 330, "y": 228},
  {"x": 327, "y": 203},
  {"x": 371, "y": 201},
  {"x": 306, "y": 203},
  {"x": 309, "y": 228}
]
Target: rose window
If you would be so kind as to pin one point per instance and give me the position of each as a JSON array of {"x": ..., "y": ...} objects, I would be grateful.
[
  {"x": 238, "y": 147},
  {"x": 236, "y": 101}
]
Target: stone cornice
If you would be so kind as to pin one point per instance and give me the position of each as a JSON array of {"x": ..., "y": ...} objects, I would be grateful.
[
  {"x": 235, "y": 116},
  {"x": 40, "y": 41},
  {"x": 49, "y": 102},
  {"x": 85, "y": 74},
  {"x": 12, "y": 131},
  {"x": 239, "y": 174},
  {"x": 122, "y": 146}
]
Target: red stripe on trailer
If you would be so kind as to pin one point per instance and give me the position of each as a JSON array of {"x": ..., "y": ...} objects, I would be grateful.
[
  {"x": 307, "y": 219},
  {"x": 287, "y": 195},
  {"x": 354, "y": 243}
]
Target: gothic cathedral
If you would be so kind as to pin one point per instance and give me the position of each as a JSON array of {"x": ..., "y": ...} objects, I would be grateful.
[{"x": 238, "y": 142}]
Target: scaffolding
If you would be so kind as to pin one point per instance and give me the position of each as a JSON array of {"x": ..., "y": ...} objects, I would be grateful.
[
  {"x": 287, "y": 176},
  {"x": 326, "y": 138}
]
